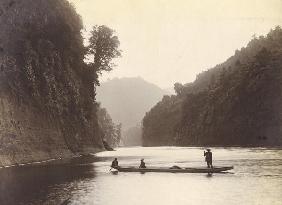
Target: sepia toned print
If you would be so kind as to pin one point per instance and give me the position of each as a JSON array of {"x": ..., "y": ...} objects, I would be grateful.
[{"x": 140, "y": 102}]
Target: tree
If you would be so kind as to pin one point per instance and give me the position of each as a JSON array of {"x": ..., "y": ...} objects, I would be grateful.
[
  {"x": 263, "y": 57},
  {"x": 178, "y": 88},
  {"x": 103, "y": 47}
]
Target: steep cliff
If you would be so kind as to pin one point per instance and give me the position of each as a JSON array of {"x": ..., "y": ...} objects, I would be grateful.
[
  {"x": 236, "y": 103},
  {"x": 47, "y": 102}
]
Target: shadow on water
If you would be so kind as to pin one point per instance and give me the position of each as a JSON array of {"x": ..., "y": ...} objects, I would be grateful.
[
  {"x": 37, "y": 184},
  {"x": 209, "y": 175}
]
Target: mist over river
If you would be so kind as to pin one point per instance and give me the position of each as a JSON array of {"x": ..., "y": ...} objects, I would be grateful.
[{"x": 256, "y": 179}]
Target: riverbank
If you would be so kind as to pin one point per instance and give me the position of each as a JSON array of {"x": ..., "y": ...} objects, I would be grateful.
[{"x": 61, "y": 159}]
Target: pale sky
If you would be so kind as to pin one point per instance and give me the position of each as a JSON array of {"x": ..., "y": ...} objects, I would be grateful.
[{"x": 168, "y": 41}]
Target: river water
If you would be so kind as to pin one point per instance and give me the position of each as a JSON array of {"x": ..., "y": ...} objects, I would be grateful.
[{"x": 256, "y": 179}]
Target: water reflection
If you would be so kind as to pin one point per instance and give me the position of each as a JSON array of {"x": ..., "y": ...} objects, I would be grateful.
[
  {"x": 256, "y": 179},
  {"x": 53, "y": 183},
  {"x": 209, "y": 175}
]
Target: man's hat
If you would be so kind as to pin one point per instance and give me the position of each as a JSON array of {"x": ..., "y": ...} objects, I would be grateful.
[{"x": 208, "y": 149}]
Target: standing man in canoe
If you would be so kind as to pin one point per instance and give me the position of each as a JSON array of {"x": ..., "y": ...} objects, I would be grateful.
[{"x": 208, "y": 158}]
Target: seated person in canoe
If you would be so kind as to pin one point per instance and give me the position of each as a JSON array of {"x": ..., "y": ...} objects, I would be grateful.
[
  {"x": 142, "y": 164},
  {"x": 114, "y": 163}
]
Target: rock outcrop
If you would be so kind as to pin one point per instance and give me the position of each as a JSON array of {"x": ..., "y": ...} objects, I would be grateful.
[{"x": 47, "y": 101}]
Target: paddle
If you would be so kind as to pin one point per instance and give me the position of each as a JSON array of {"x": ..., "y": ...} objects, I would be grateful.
[{"x": 112, "y": 168}]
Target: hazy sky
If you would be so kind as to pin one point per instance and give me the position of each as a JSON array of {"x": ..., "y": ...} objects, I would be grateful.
[{"x": 167, "y": 41}]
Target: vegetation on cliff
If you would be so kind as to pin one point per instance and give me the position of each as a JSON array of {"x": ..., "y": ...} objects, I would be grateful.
[
  {"x": 236, "y": 103},
  {"x": 111, "y": 132},
  {"x": 44, "y": 75}
]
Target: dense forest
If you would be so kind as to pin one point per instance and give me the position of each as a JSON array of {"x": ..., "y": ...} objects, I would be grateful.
[
  {"x": 47, "y": 90},
  {"x": 127, "y": 100},
  {"x": 236, "y": 103}
]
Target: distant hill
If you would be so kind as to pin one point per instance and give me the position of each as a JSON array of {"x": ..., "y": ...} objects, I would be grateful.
[
  {"x": 127, "y": 100},
  {"x": 237, "y": 102}
]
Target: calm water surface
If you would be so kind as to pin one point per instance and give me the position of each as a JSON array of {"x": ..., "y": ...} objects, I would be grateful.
[{"x": 256, "y": 179}]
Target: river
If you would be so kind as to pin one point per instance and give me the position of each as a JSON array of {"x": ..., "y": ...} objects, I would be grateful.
[{"x": 255, "y": 180}]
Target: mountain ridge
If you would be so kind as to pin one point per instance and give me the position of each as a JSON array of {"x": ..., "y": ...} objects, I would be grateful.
[
  {"x": 127, "y": 99},
  {"x": 238, "y": 102}
]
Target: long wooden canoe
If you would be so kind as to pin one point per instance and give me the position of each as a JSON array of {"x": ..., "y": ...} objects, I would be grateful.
[{"x": 175, "y": 170}]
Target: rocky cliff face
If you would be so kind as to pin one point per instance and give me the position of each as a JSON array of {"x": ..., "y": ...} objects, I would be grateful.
[
  {"x": 47, "y": 102},
  {"x": 237, "y": 103}
]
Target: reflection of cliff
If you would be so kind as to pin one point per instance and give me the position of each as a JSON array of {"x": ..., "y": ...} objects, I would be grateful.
[
  {"x": 236, "y": 103},
  {"x": 47, "y": 107}
]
